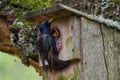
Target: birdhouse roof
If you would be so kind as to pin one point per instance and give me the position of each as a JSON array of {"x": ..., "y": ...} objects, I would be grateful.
[{"x": 60, "y": 10}]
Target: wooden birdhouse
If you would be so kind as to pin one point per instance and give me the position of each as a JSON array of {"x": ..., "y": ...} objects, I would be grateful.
[{"x": 86, "y": 41}]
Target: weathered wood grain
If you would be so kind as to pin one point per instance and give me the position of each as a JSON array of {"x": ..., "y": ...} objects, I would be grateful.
[
  {"x": 110, "y": 37},
  {"x": 117, "y": 51},
  {"x": 8, "y": 47},
  {"x": 92, "y": 50},
  {"x": 69, "y": 28},
  {"x": 117, "y": 46}
]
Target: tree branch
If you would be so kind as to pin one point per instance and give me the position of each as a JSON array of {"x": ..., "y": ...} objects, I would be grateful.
[
  {"x": 9, "y": 48},
  {"x": 14, "y": 51}
]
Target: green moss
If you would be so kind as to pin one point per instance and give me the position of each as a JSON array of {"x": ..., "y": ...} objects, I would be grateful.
[
  {"x": 68, "y": 42},
  {"x": 61, "y": 77},
  {"x": 70, "y": 49},
  {"x": 74, "y": 77},
  {"x": 68, "y": 45},
  {"x": 44, "y": 75},
  {"x": 76, "y": 74}
]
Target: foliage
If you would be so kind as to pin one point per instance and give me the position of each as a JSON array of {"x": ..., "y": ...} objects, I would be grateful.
[
  {"x": 33, "y": 4},
  {"x": 28, "y": 5},
  {"x": 11, "y": 68},
  {"x": 76, "y": 74},
  {"x": 14, "y": 9},
  {"x": 61, "y": 77}
]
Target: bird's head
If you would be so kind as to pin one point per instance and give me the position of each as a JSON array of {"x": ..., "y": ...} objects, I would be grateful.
[{"x": 45, "y": 25}]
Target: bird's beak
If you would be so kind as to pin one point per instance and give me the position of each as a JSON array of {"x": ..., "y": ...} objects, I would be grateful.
[{"x": 51, "y": 19}]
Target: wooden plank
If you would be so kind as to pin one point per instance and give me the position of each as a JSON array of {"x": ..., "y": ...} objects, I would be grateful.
[
  {"x": 57, "y": 14},
  {"x": 111, "y": 53},
  {"x": 117, "y": 46},
  {"x": 69, "y": 29},
  {"x": 93, "y": 67}
]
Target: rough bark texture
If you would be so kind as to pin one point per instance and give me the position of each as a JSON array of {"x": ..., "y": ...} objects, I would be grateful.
[{"x": 7, "y": 46}]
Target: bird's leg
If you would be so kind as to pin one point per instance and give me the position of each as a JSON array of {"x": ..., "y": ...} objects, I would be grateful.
[
  {"x": 50, "y": 59},
  {"x": 43, "y": 63}
]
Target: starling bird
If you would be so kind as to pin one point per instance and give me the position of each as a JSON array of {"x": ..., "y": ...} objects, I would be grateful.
[{"x": 47, "y": 45}]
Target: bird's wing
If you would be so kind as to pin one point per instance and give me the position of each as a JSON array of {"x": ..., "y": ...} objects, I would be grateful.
[
  {"x": 46, "y": 49},
  {"x": 44, "y": 44}
]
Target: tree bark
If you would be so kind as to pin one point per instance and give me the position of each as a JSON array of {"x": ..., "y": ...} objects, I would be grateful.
[{"x": 9, "y": 48}]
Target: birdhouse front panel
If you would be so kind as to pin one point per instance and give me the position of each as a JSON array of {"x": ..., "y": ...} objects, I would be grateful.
[{"x": 69, "y": 29}]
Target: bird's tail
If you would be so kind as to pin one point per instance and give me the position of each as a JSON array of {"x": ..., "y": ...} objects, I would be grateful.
[{"x": 61, "y": 64}]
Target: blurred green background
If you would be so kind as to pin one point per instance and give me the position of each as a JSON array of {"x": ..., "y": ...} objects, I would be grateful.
[{"x": 11, "y": 68}]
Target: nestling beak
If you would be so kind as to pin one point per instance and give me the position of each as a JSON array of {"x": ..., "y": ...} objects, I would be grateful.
[{"x": 56, "y": 33}]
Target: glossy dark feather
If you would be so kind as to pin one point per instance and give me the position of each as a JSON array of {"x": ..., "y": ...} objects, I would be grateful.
[
  {"x": 44, "y": 48},
  {"x": 47, "y": 45}
]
